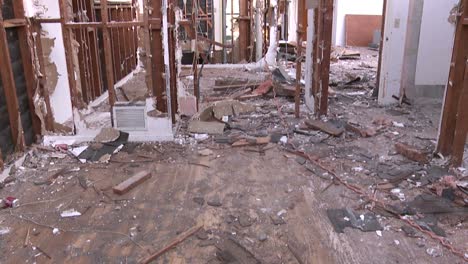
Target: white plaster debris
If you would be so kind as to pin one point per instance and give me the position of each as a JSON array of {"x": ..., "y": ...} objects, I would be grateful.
[
  {"x": 396, "y": 124},
  {"x": 379, "y": 233},
  {"x": 55, "y": 231},
  {"x": 70, "y": 213},
  {"x": 4, "y": 230},
  {"x": 284, "y": 139}
]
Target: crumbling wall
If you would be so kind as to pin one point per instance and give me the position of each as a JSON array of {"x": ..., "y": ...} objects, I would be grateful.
[{"x": 54, "y": 58}]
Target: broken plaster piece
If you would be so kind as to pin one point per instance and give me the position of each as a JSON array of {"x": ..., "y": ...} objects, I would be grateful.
[{"x": 69, "y": 213}]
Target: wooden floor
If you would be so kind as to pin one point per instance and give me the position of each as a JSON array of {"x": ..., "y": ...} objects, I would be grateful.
[{"x": 163, "y": 207}]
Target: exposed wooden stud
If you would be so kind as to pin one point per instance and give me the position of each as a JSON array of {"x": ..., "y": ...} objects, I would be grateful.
[
  {"x": 196, "y": 84},
  {"x": 244, "y": 30},
  {"x": 382, "y": 30},
  {"x": 300, "y": 33},
  {"x": 159, "y": 87},
  {"x": 172, "y": 61},
  {"x": 147, "y": 41},
  {"x": 107, "y": 53},
  {"x": 8, "y": 81},
  {"x": 454, "y": 86},
  {"x": 326, "y": 51},
  {"x": 49, "y": 119},
  {"x": 27, "y": 61},
  {"x": 64, "y": 18},
  {"x": 461, "y": 128}
]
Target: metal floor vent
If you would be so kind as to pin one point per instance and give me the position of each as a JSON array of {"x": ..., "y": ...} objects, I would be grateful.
[{"x": 130, "y": 116}]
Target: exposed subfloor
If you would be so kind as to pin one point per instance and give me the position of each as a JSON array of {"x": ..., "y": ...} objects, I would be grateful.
[{"x": 256, "y": 204}]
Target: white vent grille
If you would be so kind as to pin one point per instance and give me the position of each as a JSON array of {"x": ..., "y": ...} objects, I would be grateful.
[{"x": 130, "y": 117}]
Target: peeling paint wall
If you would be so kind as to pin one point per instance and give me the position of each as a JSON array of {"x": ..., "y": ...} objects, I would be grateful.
[{"x": 54, "y": 52}]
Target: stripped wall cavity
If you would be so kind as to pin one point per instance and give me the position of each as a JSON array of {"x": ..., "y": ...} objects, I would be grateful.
[{"x": 56, "y": 68}]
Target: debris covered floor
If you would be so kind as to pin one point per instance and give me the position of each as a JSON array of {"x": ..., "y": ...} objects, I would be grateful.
[{"x": 263, "y": 191}]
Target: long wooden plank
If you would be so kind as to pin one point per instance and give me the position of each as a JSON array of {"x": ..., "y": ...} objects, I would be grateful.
[
  {"x": 8, "y": 81},
  {"x": 107, "y": 53},
  {"x": 26, "y": 57},
  {"x": 301, "y": 27},
  {"x": 327, "y": 38},
  {"x": 64, "y": 18},
  {"x": 159, "y": 85},
  {"x": 461, "y": 129},
  {"x": 454, "y": 86}
]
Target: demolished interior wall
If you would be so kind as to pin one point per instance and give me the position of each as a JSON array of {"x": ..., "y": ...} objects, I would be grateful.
[{"x": 56, "y": 67}]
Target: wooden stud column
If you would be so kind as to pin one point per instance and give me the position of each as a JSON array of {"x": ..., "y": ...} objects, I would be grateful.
[
  {"x": 455, "y": 85},
  {"x": 8, "y": 81},
  {"x": 65, "y": 18},
  {"x": 147, "y": 39},
  {"x": 157, "y": 56},
  {"x": 26, "y": 57},
  {"x": 107, "y": 52},
  {"x": 300, "y": 33},
  {"x": 461, "y": 128},
  {"x": 326, "y": 51},
  {"x": 172, "y": 59},
  {"x": 323, "y": 21},
  {"x": 244, "y": 30}
]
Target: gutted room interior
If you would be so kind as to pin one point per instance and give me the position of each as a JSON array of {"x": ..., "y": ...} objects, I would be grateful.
[{"x": 234, "y": 131}]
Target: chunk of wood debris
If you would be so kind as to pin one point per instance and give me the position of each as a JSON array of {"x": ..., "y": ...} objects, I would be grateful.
[
  {"x": 181, "y": 238},
  {"x": 131, "y": 182},
  {"x": 263, "y": 88},
  {"x": 363, "y": 132},
  {"x": 326, "y": 127},
  {"x": 203, "y": 127},
  {"x": 252, "y": 141},
  {"x": 412, "y": 153}
]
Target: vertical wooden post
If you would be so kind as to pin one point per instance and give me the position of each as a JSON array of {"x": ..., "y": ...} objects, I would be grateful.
[
  {"x": 148, "y": 62},
  {"x": 326, "y": 51},
  {"x": 196, "y": 85},
  {"x": 107, "y": 52},
  {"x": 8, "y": 81},
  {"x": 172, "y": 60},
  {"x": 26, "y": 58},
  {"x": 156, "y": 55},
  {"x": 64, "y": 18},
  {"x": 300, "y": 32},
  {"x": 244, "y": 30},
  {"x": 455, "y": 85},
  {"x": 382, "y": 31},
  {"x": 461, "y": 128}
]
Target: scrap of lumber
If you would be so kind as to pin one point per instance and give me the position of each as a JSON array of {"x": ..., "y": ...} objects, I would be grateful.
[
  {"x": 411, "y": 153},
  {"x": 222, "y": 88},
  {"x": 131, "y": 182},
  {"x": 174, "y": 243},
  {"x": 325, "y": 127}
]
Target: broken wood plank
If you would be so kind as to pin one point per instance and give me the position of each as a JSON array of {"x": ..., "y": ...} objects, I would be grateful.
[
  {"x": 325, "y": 127},
  {"x": 411, "y": 153},
  {"x": 263, "y": 88},
  {"x": 224, "y": 88},
  {"x": 132, "y": 182},
  {"x": 181, "y": 238},
  {"x": 363, "y": 132}
]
